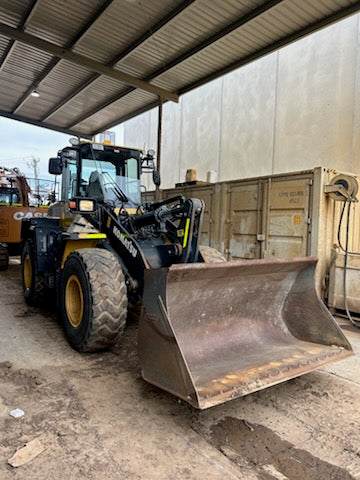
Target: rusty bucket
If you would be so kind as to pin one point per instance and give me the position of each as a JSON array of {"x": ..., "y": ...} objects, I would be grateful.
[{"x": 214, "y": 332}]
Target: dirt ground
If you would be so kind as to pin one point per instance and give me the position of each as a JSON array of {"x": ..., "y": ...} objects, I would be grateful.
[{"x": 98, "y": 419}]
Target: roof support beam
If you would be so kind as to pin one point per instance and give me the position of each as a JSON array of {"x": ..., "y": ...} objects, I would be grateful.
[
  {"x": 52, "y": 64},
  {"x": 266, "y": 6},
  {"x": 37, "y": 123},
  {"x": 86, "y": 62},
  {"x": 29, "y": 13},
  {"x": 121, "y": 56}
]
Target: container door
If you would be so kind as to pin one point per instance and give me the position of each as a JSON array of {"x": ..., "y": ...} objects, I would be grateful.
[
  {"x": 288, "y": 218},
  {"x": 244, "y": 210}
]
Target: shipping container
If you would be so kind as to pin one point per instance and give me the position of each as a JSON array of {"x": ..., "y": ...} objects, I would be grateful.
[{"x": 283, "y": 216}]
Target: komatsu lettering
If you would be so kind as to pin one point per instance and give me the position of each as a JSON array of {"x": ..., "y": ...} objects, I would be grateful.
[{"x": 126, "y": 242}]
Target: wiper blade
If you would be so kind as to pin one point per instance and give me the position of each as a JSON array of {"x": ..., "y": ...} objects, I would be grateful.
[{"x": 119, "y": 193}]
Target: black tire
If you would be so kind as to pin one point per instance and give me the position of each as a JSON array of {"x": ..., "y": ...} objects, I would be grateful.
[
  {"x": 93, "y": 299},
  {"x": 4, "y": 256},
  {"x": 211, "y": 255},
  {"x": 35, "y": 292}
]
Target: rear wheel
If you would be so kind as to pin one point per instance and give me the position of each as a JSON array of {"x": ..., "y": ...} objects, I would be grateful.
[
  {"x": 211, "y": 255},
  {"x": 4, "y": 256},
  {"x": 35, "y": 292},
  {"x": 93, "y": 299}
]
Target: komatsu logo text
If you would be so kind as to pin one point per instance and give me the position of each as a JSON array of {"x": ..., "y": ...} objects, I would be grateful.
[{"x": 126, "y": 242}]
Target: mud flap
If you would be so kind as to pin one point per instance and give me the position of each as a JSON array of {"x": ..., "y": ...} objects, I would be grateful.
[{"x": 214, "y": 332}]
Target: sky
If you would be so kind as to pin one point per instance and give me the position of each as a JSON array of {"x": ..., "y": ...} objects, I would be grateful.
[{"x": 20, "y": 142}]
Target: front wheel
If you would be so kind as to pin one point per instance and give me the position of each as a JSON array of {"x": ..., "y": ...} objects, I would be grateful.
[{"x": 93, "y": 299}]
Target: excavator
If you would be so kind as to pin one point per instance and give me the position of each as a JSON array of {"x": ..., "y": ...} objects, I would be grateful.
[{"x": 209, "y": 330}]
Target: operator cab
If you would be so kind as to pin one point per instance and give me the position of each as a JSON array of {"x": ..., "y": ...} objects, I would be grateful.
[
  {"x": 99, "y": 172},
  {"x": 9, "y": 191}
]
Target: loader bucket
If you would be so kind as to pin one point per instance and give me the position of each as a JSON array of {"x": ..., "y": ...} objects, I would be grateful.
[{"x": 214, "y": 332}]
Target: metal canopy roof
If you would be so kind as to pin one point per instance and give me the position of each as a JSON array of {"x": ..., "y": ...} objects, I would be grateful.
[{"x": 96, "y": 63}]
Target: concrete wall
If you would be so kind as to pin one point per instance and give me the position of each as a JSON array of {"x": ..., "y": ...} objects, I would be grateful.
[{"x": 294, "y": 109}]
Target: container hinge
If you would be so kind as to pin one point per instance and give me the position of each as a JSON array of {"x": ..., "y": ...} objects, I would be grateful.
[{"x": 308, "y": 220}]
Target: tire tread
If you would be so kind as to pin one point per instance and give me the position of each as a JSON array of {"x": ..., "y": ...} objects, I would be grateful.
[{"x": 108, "y": 298}]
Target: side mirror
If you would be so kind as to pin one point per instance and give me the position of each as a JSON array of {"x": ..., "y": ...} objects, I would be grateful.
[
  {"x": 55, "y": 166},
  {"x": 156, "y": 178}
]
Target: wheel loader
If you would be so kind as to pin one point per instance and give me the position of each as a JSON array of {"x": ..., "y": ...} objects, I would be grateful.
[
  {"x": 209, "y": 330},
  {"x": 14, "y": 205}
]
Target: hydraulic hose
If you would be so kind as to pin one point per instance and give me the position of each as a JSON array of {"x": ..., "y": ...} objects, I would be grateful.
[
  {"x": 156, "y": 216},
  {"x": 339, "y": 229},
  {"x": 355, "y": 322}
]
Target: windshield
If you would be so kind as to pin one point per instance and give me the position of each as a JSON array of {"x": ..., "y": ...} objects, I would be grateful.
[
  {"x": 9, "y": 195},
  {"x": 98, "y": 180},
  {"x": 104, "y": 170}
]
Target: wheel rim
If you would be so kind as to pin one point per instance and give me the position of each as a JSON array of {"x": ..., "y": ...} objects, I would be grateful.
[
  {"x": 27, "y": 272},
  {"x": 74, "y": 301}
]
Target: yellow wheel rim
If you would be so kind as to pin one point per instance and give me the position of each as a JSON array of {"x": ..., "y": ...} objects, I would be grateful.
[
  {"x": 74, "y": 301},
  {"x": 27, "y": 272}
]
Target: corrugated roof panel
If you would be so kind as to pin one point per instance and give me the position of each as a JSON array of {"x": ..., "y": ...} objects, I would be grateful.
[
  {"x": 59, "y": 21},
  {"x": 91, "y": 97},
  {"x": 53, "y": 89},
  {"x": 4, "y": 42},
  {"x": 175, "y": 39},
  {"x": 20, "y": 70},
  {"x": 64, "y": 77},
  {"x": 26, "y": 62},
  {"x": 101, "y": 89},
  {"x": 17, "y": 83},
  {"x": 261, "y": 35},
  {"x": 34, "y": 108},
  {"x": 133, "y": 101},
  {"x": 12, "y": 87},
  {"x": 182, "y": 74},
  {"x": 120, "y": 26},
  {"x": 306, "y": 11},
  {"x": 13, "y": 11},
  {"x": 336, "y": 4}
]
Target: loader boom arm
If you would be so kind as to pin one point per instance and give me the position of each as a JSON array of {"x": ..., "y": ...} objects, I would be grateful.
[{"x": 173, "y": 225}]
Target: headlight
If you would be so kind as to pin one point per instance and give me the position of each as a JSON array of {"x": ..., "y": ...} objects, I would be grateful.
[{"x": 86, "y": 205}]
